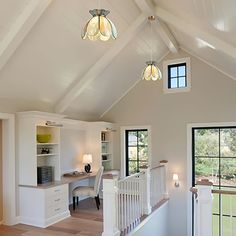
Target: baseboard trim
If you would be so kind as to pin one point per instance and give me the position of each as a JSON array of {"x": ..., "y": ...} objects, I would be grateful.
[
  {"x": 12, "y": 221},
  {"x": 44, "y": 223}
]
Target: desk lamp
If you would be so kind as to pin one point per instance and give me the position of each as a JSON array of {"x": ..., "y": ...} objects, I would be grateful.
[{"x": 87, "y": 160}]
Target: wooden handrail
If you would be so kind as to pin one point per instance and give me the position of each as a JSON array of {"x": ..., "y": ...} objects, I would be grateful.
[
  {"x": 156, "y": 167},
  {"x": 163, "y": 161},
  {"x": 194, "y": 190},
  {"x": 162, "y": 164},
  {"x": 227, "y": 192},
  {"x": 132, "y": 176}
]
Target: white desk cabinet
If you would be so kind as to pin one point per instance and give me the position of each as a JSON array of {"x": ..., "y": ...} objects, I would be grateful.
[{"x": 42, "y": 207}]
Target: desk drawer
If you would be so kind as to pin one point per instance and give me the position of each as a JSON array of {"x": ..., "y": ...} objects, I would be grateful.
[
  {"x": 56, "y": 208},
  {"x": 57, "y": 190},
  {"x": 56, "y": 199}
]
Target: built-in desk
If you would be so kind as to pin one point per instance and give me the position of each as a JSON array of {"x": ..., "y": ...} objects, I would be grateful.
[{"x": 46, "y": 204}]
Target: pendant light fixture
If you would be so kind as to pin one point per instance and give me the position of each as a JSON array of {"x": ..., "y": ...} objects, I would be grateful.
[
  {"x": 99, "y": 27},
  {"x": 151, "y": 71}
]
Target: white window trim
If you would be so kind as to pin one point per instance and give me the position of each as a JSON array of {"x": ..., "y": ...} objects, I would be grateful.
[
  {"x": 9, "y": 169},
  {"x": 189, "y": 164},
  {"x": 165, "y": 75},
  {"x": 122, "y": 145}
]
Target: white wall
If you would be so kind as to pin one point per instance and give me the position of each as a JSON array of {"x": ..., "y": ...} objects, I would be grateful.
[
  {"x": 212, "y": 99},
  {"x": 73, "y": 143},
  {"x": 73, "y": 146},
  {"x": 1, "y": 187},
  {"x": 155, "y": 224}
]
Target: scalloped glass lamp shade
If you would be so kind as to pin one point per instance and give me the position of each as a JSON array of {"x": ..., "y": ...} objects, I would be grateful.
[
  {"x": 151, "y": 72},
  {"x": 99, "y": 27}
]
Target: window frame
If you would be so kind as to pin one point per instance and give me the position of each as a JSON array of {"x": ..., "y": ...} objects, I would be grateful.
[
  {"x": 176, "y": 62},
  {"x": 136, "y": 146},
  {"x": 123, "y": 148},
  {"x": 219, "y": 129},
  {"x": 189, "y": 164}
]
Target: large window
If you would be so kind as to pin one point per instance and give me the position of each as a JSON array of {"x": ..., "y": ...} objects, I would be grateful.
[
  {"x": 136, "y": 150},
  {"x": 214, "y": 158}
]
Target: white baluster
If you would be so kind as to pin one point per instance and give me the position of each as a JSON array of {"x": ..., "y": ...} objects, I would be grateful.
[{"x": 231, "y": 215}]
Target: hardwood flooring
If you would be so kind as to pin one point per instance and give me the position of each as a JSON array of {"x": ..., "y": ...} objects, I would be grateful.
[{"x": 86, "y": 220}]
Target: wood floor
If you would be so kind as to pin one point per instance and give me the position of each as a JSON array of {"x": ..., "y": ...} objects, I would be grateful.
[{"x": 86, "y": 220}]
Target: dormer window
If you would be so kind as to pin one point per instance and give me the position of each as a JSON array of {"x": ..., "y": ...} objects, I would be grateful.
[{"x": 177, "y": 75}]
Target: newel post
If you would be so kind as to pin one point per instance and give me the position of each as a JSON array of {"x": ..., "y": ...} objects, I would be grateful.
[
  {"x": 110, "y": 207},
  {"x": 165, "y": 164},
  {"x": 204, "y": 208},
  {"x": 146, "y": 191}
]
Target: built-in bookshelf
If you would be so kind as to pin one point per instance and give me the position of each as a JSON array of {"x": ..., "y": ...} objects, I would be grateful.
[{"x": 106, "y": 150}]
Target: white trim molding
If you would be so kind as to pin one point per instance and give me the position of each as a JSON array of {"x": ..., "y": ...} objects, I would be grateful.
[
  {"x": 165, "y": 75},
  {"x": 189, "y": 164},
  {"x": 122, "y": 145},
  {"x": 9, "y": 168}
]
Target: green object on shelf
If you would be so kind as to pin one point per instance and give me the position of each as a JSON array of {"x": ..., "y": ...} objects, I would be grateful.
[{"x": 44, "y": 138}]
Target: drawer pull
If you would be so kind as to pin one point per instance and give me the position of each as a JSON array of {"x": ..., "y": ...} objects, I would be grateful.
[
  {"x": 57, "y": 190},
  {"x": 58, "y": 209},
  {"x": 57, "y": 200}
]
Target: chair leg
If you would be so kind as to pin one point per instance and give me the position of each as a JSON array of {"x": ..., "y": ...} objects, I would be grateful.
[
  {"x": 97, "y": 202},
  {"x": 73, "y": 203},
  {"x": 77, "y": 201}
]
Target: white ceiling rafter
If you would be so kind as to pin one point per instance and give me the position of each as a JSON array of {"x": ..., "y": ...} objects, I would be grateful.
[
  {"x": 207, "y": 62},
  {"x": 21, "y": 27},
  {"x": 148, "y": 9},
  {"x": 196, "y": 32},
  {"x": 82, "y": 83}
]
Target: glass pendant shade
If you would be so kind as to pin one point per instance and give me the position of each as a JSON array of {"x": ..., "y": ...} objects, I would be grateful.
[
  {"x": 99, "y": 26},
  {"x": 151, "y": 72}
]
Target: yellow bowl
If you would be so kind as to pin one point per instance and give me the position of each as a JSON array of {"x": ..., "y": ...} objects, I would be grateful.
[{"x": 43, "y": 138}]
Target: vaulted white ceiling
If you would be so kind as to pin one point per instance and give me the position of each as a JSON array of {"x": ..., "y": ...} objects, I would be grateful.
[{"x": 45, "y": 65}]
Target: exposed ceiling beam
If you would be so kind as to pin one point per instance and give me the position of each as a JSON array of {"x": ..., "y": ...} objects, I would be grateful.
[
  {"x": 20, "y": 28},
  {"x": 196, "y": 32},
  {"x": 148, "y": 9},
  {"x": 207, "y": 62},
  {"x": 146, "y": 6},
  {"x": 167, "y": 37},
  {"x": 82, "y": 83}
]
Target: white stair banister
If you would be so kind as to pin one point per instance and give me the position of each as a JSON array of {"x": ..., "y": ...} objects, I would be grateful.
[
  {"x": 204, "y": 208},
  {"x": 110, "y": 208}
]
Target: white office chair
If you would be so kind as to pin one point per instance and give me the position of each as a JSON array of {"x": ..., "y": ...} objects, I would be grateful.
[{"x": 86, "y": 191}]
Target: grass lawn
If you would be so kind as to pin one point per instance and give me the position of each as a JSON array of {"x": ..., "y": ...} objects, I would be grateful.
[{"x": 228, "y": 223}]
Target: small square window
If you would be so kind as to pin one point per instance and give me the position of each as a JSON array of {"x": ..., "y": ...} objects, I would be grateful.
[{"x": 176, "y": 75}]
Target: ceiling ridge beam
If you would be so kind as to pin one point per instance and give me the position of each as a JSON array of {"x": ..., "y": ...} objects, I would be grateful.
[
  {"x": 148, "y": 9},
  {"x": 82, "y": 83},
  {"x": 196, "y": 32},
  {"x": 20, "y": 28}
]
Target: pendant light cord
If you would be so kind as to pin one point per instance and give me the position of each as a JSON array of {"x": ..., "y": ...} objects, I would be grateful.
[
  {"x": 99, "y": 4},
  {"x": 151, "y": 38}
]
